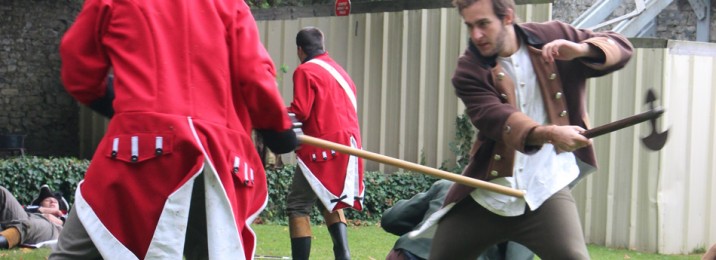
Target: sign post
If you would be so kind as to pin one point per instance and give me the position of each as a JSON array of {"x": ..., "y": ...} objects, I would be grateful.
[{"x": 343, "y": 7}]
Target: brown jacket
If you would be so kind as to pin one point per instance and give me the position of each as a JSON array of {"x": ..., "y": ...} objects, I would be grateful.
[{"x": 489, "y": 97}]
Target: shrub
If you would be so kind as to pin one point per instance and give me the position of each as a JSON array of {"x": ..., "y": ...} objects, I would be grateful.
[
  {"x": 23, "y": 176},
  {"x": 381, "y": 191}
]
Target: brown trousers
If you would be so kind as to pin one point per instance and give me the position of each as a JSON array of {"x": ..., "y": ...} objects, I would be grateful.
[{"x": 553, "y": 231}]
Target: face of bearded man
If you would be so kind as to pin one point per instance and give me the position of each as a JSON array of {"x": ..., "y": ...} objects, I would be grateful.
[{"x": 487, "y": 31}]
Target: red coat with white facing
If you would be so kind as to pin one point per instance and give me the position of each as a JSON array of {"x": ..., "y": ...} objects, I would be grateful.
[
  {"x": 191, "y": 80},
  {"x": 327, "y": 112}
]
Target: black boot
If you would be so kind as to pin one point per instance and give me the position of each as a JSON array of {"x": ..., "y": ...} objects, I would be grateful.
[
  {"x": 3, "y": 243},
  {"x": 300, "y": 248},
  {"x": 340, "y": 241}
]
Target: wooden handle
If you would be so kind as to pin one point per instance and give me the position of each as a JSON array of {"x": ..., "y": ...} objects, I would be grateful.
[
  {"x": 623, "y": 123},
  {"x": 411, "y": 166}
]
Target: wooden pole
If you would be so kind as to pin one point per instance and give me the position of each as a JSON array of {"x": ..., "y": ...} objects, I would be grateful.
[{"x": 411, "y": 166}]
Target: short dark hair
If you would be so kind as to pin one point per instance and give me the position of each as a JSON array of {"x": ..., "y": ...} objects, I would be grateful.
[
  {"x": 310, "y": 39},
  {"x": 498, "y": 6}
]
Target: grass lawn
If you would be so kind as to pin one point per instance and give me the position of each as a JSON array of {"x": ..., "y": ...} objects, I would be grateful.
[
  {"x": 371, "y": 242},
  {"x": 366, "y": 243}
]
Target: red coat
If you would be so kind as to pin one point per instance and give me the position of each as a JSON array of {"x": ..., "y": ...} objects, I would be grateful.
[
  {"x": 191, "y": 80},
  {"x": 327, "y": 112}
]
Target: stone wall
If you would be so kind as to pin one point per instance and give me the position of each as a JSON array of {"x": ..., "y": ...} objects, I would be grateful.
[
  {"x": 32, "y": 100},
  {"x": 677, "y": 21}
]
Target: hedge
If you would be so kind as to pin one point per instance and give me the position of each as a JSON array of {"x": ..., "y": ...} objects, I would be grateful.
[
  {"x": 24, "y": 175},
  {"x": 381, "y": 191}
]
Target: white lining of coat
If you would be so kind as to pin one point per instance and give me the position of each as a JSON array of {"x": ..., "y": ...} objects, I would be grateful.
[
  {"x": 223, "y": 239},
  {"x": 222, "y": 233},
  {"x": 165, "y": 243},
  {"x": 110, "y": 247},
  {"x": 349, "y": 185}
]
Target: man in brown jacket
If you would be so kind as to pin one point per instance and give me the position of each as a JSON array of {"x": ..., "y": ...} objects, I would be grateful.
[{"x": 523, "y": 86}]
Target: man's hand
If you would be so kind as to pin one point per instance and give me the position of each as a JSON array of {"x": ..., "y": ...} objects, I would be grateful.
[
  {"x": 51, "y": 211},
  {"x": 566, "y": 50},
  {"x": 565, "y": 138}
]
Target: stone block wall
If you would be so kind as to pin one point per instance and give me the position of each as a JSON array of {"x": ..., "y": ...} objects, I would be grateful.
[
  {"x": 32, "y": 100},
  {"x": 677, "y": 21}
]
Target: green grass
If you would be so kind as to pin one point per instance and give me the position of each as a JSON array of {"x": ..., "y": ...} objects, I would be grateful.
[
  {"x": 25, "y": 254},
  {"x": 366, "y": 243},
  {"x": 599, "y": 252}
]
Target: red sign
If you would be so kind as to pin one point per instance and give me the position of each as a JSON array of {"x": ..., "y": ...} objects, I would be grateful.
[{"x": 343, "y": 7}]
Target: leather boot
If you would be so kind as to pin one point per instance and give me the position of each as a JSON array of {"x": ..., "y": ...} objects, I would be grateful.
[
  {"x": 300, "y": 231},
  {"x": 9, "y": 238},
  {"x": 300, "y": 248},
  {"x": 339, "y": 233},
  {"x": 336, "y": 223},
  {"x": 3, "y": 243}
]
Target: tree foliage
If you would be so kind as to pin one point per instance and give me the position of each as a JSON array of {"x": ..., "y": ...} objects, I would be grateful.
[{"x": 280, "y": 3}]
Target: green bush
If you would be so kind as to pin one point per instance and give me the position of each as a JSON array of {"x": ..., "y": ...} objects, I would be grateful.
[
  {"x": 381, "y": 191},
  {"x": 23, "y": 176}
]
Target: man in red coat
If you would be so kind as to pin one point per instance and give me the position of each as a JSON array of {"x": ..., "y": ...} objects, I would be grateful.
[
  {"x": 324, "y": 100},
  {"x": 177, "y": 164}
]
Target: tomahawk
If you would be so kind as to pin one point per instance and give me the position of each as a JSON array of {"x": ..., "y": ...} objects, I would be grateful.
[{"x": 653, "y": 141}]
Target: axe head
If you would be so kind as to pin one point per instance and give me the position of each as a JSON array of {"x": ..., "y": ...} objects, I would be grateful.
[{"x": 655, "y": 141}]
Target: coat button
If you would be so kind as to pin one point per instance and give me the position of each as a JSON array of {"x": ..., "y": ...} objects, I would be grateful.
[
  {"x": 558, "y": 95},
  {"x": 508, "y": 129},
  {"x": 500, "y": 75},
  {"x": 503, "y": 95},
  {"x": 497, "y": 157},
  {"x": 552, "y": 76},
  {"x": 563, "y": 113},
  {"x": 494, "y": 173}
]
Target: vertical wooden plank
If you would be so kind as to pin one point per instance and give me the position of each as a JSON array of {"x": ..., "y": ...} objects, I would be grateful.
[
  {"x": 373, "y": 94},
  {"x": 611, "y": 168},
  {"x": 422, "y": 83},
  {"x": 672, "y": 182},
  {"x": 652, "y": 61},
  {"x": 638, "y": 61},
  {"x": 339, "y": 29},
  {"x": 384, "y": 85},
  {"x": 429, "y": 149},
  {"x": 404, "y": 86},
  {"x": 710, "y": 202},
  {"x": 442, "y": 122},
  {"x": 390, "y": 112},
  {"x": 412, "y": 94},
  {"x": 289, "y": 59},
  {"x": 356, "y": 63},
  {"x": 700, "y": 93},
  {"x": 369, "y": 165}
]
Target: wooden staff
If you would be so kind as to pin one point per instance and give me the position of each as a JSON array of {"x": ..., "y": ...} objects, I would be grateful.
[{"x": 411, "y": 166}]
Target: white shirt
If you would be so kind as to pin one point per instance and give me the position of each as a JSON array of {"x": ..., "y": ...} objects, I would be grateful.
[{"x": 541, "y": 174}]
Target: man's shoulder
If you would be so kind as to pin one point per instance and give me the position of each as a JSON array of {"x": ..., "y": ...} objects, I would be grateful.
[
  {"x": 548, "y": 25},
  {"x": 538, "y": 33}
]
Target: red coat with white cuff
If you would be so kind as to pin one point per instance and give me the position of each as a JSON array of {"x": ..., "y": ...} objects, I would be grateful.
[
  {"x": 191, "y": 82},
  {"x": 327, "y": 112}
]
